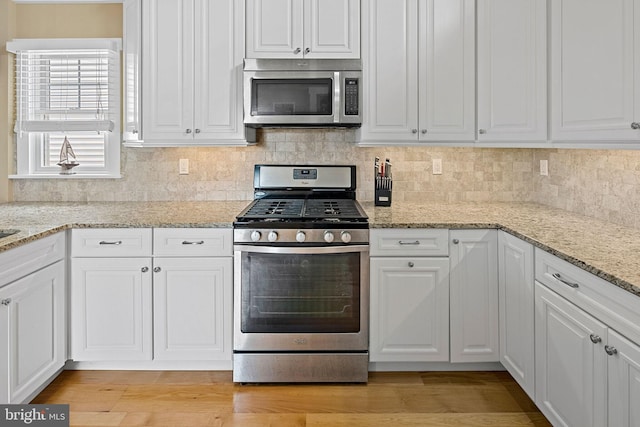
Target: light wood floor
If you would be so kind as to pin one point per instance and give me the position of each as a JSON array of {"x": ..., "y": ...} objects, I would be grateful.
[{"x": 192, "y": 399}]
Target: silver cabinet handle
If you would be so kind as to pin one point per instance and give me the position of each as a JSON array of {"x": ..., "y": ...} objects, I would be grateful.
[
  {"x": 297, "y": 51},
  {"x": 6, "y": 301},
  {"x": 197, "y": 130},
  {"x": 157, "y": 269},
  {"x": 134, "y": 131},
  {"x": 635, "y": 125},
  {"x": 410, "y": 264},
  {"x": 559, "y": 278},
  {"x": 188, "y": 131},
  {"x": 105, "y": 242},
  {"x": 595, "y": 338},
  {"x": 144, "y": 269},
  {"x": 414, "y": 130},
  {"x": 610, "y": 350},
  {"x": 403, "y": 243},
  {"x": 187, "y": 242},
  {"x": 482, "y": 131},
  {"x": 424, "y": 131},
  {"x": 307, "y": 50},
  {"x": 455, "y": 241}
]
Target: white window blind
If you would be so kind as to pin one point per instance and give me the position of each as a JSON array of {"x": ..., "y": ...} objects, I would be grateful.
[
  {"x": 62, "y": 89},
  {"x": 67, "y": 88}
]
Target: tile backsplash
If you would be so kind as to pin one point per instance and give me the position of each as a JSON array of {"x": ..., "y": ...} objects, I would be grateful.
[{"x": 598, "y": 183}]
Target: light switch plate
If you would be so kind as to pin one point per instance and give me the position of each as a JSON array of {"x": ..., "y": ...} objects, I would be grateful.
[
  {"x": 437, "y": 166},
  {"x": 184, "y": 167},
  {"x": 544, "y": 167}
]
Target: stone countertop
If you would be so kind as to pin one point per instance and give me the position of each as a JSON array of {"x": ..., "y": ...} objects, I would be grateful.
[{"x": 607, "y": 250}]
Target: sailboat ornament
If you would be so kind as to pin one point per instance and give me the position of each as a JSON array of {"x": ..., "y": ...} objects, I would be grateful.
[{"x": 67, "y": 158}]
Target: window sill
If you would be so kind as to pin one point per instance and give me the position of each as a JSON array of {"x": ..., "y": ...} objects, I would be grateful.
[{"x": 74, "y": 176}]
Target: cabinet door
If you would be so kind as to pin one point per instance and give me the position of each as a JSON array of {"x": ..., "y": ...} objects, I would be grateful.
[
  {"x": 192, "y": 308},
  {"x": 446, "y": 70},
  {"x": 624, "y": 382},
  {"x": 275, "y": 28},
  {"x": 390, "y": 71},
  {"x": 409, "y": 310},
  {"x": 219, "y": 50},
  {"x": 516, "y": 309},
  {"x": 594, "y": 74},
  {"x": 512, "y": 70},
  {"x": 571, "y": 365},
  {"x": 111, "y": 309},
  {"x": 474, "y": 296},
  {"x": 168, "y": 58},
  {"x": 36, "y": 331},
  {"x": 131, "y": 57},
  {"x": 332, "y": 29}
]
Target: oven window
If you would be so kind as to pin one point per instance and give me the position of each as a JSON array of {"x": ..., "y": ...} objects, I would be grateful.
[
  {"x": 278, "y": 97},
  {"x": 300, "y": 293}
]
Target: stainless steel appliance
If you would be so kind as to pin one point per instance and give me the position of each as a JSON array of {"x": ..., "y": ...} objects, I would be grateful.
[
  {"x": 302, "y": 92},
  {"x": 301, "y": 278}
]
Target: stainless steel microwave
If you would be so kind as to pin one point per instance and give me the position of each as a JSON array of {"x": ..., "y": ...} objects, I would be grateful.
[{"x": 302, "y": 93}]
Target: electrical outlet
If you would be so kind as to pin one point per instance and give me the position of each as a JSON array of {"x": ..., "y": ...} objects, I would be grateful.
[
  {"x": 544, "y": 167},
  {"x": 184, "y": 167},
  {"x": 437, "y": 166}
]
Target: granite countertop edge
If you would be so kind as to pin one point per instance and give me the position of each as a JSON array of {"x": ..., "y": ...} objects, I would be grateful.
[{"x": 403, "y": 215}]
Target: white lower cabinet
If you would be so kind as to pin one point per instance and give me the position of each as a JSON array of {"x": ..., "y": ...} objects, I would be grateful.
[
  {"x": 516, "y": 309},
  {"x": 143, "y": 307},
  {"x": 192, "y": 308},
  {"x": 33, "y": 324},
  {"x": 623, "y": 369},
  {"x": 434, "y": 295},
  {"x": 474, "y": 295},
  {"x": 409, "y": 309},
  {"x": 570, "y": 363},
  {"x": 111, "y": 312},
  {"x": 587, "y": 353}
]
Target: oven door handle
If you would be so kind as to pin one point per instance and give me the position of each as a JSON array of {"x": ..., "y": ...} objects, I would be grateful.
[{"x": 301, "y": 249}]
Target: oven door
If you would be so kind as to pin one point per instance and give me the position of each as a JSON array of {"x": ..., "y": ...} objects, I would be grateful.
[{"x": 301, "y": 298}]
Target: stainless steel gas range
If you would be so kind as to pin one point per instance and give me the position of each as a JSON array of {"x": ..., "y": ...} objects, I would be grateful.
[{"x": 301, "y": 278}]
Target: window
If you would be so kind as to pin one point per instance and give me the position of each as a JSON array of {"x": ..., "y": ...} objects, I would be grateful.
[{"x": 67, "y": 90}]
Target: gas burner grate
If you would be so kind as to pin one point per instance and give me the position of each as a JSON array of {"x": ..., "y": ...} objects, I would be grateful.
[
  {"x": 333, "y": 208},
  {"x": 276, "y": 208}
]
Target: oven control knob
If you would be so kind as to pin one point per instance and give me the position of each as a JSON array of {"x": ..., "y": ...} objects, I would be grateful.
[
  {"x": 345, "y": 236},
  {"x": 272, "y": 236},
  {"x": 255, "y": 235},
  {"x": 300, "y": 236},
  {"x": 328, "y": 237}
]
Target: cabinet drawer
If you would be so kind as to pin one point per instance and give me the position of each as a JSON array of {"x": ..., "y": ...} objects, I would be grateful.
[
  {"x": 18, "y": 262},
  {"x": 411, "y": 242},
  {"x": 612, "y": 305},
  {"x": 111, "y": 242},
  {"x": 192, "y": 242}
]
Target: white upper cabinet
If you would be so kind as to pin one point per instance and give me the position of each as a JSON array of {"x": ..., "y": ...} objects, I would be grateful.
[
  {"x": 190, "y": 61},
  {"x": 595, "y": 75},
  {"x": 512, "y": 70},
  {"x": 419, "y": 68},
  {"x": 303, "y": 28}
]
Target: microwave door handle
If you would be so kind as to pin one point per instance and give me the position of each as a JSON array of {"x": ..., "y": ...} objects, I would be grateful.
[{"x": 337, "y": 92}]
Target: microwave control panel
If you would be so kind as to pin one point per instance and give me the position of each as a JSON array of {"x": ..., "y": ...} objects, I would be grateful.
[{"x": 351, "y": 88}]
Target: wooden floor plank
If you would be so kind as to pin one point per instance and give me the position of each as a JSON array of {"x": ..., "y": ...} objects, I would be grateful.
[{"x": 175, "y": 398}]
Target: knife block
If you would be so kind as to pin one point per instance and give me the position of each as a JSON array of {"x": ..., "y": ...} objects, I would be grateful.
[{"x": 383, "y": 191}]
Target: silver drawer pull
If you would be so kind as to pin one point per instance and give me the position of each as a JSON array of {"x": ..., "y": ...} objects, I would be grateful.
[
  {"x": 595, "y": 338},
  {"x": 402, "y": 242},
  {"x": 558, "y": 277},
  {"x": 187, "y": 242},
  {"x": 117, "y": 242},
  {"x": 610, "y": 350}
]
